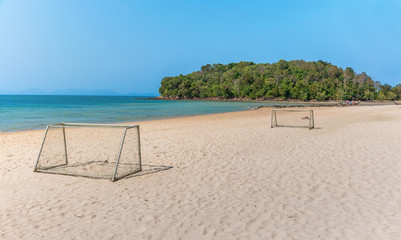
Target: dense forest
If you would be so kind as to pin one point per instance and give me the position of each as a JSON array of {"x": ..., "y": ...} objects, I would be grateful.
[{"x": 296, "y": 79}]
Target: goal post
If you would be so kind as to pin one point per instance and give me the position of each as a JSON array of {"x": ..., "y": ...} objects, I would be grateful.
[
  {"x": 302, "y": 118},
  {"x": 108, "y": 151}
]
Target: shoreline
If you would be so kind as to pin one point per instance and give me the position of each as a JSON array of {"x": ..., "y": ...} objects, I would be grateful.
[
  {"x": 252, "y": 108},
  {"x": 139, "y": 121}
]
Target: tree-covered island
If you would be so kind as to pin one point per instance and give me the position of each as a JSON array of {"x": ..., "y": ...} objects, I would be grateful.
[{"x": 296, "y": 79}]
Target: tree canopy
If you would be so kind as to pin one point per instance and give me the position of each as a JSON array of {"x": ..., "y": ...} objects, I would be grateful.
[{"x": 296, "y": 79}]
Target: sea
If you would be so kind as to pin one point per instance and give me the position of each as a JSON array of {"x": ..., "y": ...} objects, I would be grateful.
[{"x": 29, "y": 112}]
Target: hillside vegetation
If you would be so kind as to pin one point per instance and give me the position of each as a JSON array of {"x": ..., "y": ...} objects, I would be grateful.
[{"x": 296, "y": 79}]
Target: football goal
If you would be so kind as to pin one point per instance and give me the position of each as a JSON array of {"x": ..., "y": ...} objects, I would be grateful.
[
  {"x": 301, "y": 118},
  {"x": 108, "y": 151}
]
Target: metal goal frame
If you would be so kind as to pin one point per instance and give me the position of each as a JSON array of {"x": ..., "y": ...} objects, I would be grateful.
[
  {"x": 273, "y": 122},
  {"x": 63, "y": 125}
]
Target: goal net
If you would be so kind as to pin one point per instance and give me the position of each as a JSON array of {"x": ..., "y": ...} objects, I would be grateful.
[
  {"x": 292, "y": 118},
  {"x": 90, "y": 150}
]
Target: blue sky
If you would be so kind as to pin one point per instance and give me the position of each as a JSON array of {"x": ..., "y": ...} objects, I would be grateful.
[{"x": 129, "y": 46}]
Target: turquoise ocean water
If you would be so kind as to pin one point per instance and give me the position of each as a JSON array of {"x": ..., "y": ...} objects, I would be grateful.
[{"x": 18, "y": 112}]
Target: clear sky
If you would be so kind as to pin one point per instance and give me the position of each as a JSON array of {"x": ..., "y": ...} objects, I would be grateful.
[{"x": 129, "y": 46}]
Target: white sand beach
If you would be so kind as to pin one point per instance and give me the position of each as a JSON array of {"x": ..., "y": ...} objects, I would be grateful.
[{"x": 221, "y": 176}]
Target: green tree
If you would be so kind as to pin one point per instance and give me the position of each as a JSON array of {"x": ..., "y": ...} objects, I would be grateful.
[{"x": 368, "y": 95}]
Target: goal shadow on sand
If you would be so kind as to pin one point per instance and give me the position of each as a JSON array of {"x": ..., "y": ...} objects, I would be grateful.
[
  {"x": 149, "y": 169},
  {"x": 101, "y": 168}
]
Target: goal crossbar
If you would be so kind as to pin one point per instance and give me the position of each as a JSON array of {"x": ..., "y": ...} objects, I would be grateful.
[
  {"x": 92, "y": 125},
  {"x": 274, "y": 123}
]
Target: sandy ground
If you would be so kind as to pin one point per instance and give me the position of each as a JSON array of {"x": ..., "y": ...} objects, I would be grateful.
[{"x": 231, "y": 177}]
